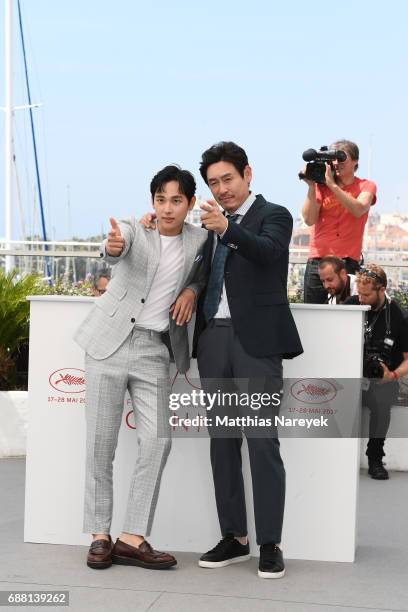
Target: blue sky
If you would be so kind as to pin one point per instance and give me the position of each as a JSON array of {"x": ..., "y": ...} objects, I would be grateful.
[{"x": 128, "y": 87}]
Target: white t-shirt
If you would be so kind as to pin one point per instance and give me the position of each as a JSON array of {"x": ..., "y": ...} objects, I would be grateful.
[{"x": 155, "y": 313}]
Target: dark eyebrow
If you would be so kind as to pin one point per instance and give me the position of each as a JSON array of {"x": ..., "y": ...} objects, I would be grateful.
[
  {"x": 173, "y": 197},
  {"x": 224, "y": 176}
]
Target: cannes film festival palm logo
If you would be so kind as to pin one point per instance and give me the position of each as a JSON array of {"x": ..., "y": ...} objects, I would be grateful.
[
  {"x": 313, "y": 390},
  {"x": 68, "y": 380}
]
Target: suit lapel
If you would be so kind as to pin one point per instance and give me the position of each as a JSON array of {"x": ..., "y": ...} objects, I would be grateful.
[
  {"x": 153, "y": 238},
  {"x": 252, "y": 212},
  {"x": 208, "y": 252},
  {"x": 189, "y": 250}
]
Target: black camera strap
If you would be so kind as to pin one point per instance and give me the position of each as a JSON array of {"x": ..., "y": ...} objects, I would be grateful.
[{"x": 369, "y": 328}]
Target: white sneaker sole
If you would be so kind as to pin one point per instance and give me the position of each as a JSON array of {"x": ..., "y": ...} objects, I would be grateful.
[
  {"x": 215, "y": 564},
  {"x": 273, "y": 575}
]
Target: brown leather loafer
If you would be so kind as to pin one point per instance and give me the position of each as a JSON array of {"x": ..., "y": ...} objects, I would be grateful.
[
  {"x": 100, "y": 554},
  {"x": 142, "y": 556}
]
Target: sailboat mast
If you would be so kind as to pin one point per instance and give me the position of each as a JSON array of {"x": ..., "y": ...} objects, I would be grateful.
[{"x": 8, "y": 145}]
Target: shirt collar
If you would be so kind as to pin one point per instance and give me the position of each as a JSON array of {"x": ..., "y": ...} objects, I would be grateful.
[{"x": 245, "y": 206}]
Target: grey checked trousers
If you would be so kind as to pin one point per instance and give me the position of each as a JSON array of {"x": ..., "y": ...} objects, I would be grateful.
[{"x": 141, "y": 365}]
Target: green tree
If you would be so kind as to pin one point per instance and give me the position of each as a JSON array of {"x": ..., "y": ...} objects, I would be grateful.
[{"x": 14, "y": 321}]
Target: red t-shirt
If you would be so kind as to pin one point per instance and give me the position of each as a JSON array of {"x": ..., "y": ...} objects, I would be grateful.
[{"x": 337, "y": 231}]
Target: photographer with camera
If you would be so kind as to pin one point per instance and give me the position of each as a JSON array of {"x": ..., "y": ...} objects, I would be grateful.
[
  {"x": 336, "y": 205},
  {"x": 385, "y": 359}
]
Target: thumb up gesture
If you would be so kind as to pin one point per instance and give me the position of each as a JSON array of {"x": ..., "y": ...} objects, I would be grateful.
[{"x": 115, "y": 242}]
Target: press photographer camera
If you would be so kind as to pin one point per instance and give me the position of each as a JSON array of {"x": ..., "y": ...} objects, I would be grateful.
[
  {"x": 336, "y": 208},
  {"x": 385, "y": 359},
  {"x": 374, "y": 356},
  {"x": 316, "y": 166}
]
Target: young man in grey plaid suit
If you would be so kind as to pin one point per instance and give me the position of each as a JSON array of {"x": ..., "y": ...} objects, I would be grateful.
[{"x": 152, "y": 293}]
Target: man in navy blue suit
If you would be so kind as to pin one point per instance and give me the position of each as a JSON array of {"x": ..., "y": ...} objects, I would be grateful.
[{"x": 244, "y": 328}]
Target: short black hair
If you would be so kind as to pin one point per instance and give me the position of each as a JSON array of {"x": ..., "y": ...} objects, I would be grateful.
[
  {"x": 224, "y": 151},
  {"x": 185, "y": 179}
]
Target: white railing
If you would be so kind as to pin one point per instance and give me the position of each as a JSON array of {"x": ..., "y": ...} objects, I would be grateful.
[
  {"x": 71, "y": 249},
  {"x": 36, "y": 248},
  {"x": 34, "y": 252}
]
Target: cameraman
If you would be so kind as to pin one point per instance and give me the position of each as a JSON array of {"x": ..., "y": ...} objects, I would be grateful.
[
  {"x": 386, "y": 336},
  {"x": 338, "y": 212}
]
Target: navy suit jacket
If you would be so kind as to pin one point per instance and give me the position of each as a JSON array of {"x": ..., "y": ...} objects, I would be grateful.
[{"x": 255, "y": 275}]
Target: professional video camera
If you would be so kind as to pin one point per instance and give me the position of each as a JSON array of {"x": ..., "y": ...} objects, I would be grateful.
[
  {"x": 316, "y": 167},
  {"x": 374, "y": 356}
]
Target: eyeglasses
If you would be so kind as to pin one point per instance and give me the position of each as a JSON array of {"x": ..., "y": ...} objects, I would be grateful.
[{"x": 370, "y": 274}]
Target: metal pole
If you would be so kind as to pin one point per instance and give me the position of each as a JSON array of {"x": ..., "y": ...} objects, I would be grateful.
[
  {"x": 30, "y": 107},
  {"x": 8, "y": 109}
]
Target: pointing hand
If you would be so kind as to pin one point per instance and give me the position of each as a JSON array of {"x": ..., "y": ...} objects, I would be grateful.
[{"x": 115, "y": 242}]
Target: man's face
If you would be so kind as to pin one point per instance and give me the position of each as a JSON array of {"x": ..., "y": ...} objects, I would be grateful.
[
  {"x": 228, "y": 187},
  {"x": 369, "y": 295},
  {"x": 345, "y": 169},
  {"x": 333, "y": 282},
  {"x": 100, "y": 287},
  {"x": 171, "y": 208}
]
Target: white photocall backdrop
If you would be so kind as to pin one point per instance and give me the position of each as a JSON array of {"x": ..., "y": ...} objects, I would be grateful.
[{"x": 322, "y": 474}]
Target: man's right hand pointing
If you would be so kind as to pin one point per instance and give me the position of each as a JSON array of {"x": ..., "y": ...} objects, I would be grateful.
[{"x": 115, "y": 242}]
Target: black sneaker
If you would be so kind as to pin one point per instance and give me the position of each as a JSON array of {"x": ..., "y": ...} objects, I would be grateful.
[
  {"x": 227, "y": 551},
  {"x": 271, "y": 563},
  {"x": 377, "y": 470}
]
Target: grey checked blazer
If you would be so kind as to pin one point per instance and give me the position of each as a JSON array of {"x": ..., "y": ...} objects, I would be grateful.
[{"x": 113, "y": 316}]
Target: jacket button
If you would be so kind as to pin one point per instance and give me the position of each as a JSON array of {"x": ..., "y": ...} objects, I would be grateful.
[
  {"x": 132, "y": 320},
  {"x": 142, "y": 300}
]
